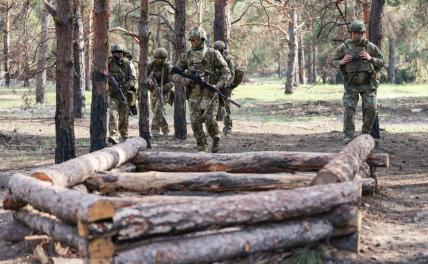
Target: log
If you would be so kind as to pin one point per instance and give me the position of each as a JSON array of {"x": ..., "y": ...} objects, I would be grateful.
[
  {"x": 126, "y": 167},
  {"x": 345, "y": 165},
  {"x": 249, "y": 162},
  {"x": 143, "y": 220},
  {"x": 51, "y": 226},
  {"x": 70, "y": 205},
  {"x": 228, "y": 245},
  {"x": 14, "y": 232},
  {"x": 76, "y": 171},
  {"x": 158, "y": 182}
]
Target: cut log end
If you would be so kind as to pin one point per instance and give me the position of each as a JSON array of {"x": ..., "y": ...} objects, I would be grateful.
[
  {"x": 101, "y": 248},
  {"x": 10, "y": 203},
  {"x": 42, "y": 176},
  {"x": 100, "y": 210}
]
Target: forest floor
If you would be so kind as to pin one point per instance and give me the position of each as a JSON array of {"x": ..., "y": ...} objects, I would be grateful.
[{"x": 395, "y": 219}]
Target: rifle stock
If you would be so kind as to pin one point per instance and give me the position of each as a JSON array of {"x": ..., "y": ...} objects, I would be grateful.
[{"x": 112, "y": 81}]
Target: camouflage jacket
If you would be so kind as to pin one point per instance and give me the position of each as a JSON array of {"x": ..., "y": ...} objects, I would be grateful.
[
  {"x": 232, "y": 67},
  {"x": 208, "y": 62},
  {"x": 156, "y": 70},
  {"x": 124, "y": 73}
]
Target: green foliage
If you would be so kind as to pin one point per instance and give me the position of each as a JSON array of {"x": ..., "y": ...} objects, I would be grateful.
[{"x": 305, "y": 256}]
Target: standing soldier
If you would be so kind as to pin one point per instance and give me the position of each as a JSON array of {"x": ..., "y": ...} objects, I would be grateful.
[
  {"x": 160, "y": 83},
  {"x": 360, "y": 61},
  {"x": 210, "y": 65},
  {"x": 123, "y": 72},
  {"x": 227, "y": 90}
]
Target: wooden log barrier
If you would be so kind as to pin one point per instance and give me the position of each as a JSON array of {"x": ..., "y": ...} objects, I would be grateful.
[
  {"x": 144, "y": 220},
  {"x": 75, "y": 171},
  {"x": 345, "y": 165},
  {"x": 248, "y": 162}
]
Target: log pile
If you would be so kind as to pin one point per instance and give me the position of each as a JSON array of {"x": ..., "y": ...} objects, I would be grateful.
[{"x": 196, "y": 208}]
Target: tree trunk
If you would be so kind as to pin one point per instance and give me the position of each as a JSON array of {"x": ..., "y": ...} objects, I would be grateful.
[
  {"x": 6, "y": 30},
  {"x": 392, "y": 59},
  {"x": 347, "y": 162},
  {"x": 249, "y": 162},
  {"x": 64, "y": 115},
  {"x": 230, "y": 244},
  {"x": 375, "y": 22},
  {"x": 98, "y": 126},
  {"x": 41, "y": 58},
  {"x": 26, "y": 42},
  {"x": 292, "y": 51},
  {"x": 222, "y": 21},
  {"x": 159, "y": 182},
  {"x": 301, "y": 59},
  {"x": 77, "y": 170},
  {"x": 79, "y": 66},
  {"x": 143, "y": 29},
  {"x": 366, "y": 15},
  {"x": 180, "y": 124},
  {"x": 89, "y": 50},
  {"x": 158, "y": 27},
  {"x": 246, "y": 209},
  {"x": 314, "y": 61}
]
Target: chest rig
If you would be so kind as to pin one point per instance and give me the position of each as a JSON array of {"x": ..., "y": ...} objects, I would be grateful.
[
  {"x": 358, "y": 70},
  {"x": 197, "y": 62},
  {"x": 117, "y": 70}
]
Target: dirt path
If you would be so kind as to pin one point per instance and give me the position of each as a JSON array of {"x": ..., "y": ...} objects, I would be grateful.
[{"x": 395, "y": 220}]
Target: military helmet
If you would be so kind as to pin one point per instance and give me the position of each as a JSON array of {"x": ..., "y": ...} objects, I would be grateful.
[
  {"x": 219, "y": 45},
  {"x": 117, "y": 48},
  {"x": 160, "y": 53},
  {"x": 198, "y": 33},
  {"x": 357, "y": 26}
]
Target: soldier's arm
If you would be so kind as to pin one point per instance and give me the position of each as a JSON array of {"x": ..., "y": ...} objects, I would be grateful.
[
  {"x": 232, "y": 68},
  {"x": 168, "y": 86},
  {"x": 338, "y": 56},
  {"x": 377, "y": 57},
  {"x": 221, "y": 64},
  {"x": 132, "y": 76}
]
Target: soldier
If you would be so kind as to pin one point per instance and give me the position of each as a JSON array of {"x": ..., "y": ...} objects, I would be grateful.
[
  {"x": 209, "y": 64},
  {"x": 227, "y": 90},
  {"x": 360, "y": 61},
  {"x": 160, "y": 83},
  {"x": 124, "y": 73}
]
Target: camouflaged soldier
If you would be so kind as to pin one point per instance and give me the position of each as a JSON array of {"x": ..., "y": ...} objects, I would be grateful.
[
  {"x": 360, "y": 61},
  {"x": 160, "y": 71},
  {"x": 209, "y": 64},
  {"x": 227, "y": 90},
  {"x": 124, "y": 73}
]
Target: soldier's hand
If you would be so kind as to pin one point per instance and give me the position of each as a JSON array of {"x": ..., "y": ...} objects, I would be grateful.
[
  {"x": 346, "y": 59},
  {"x": 365, "y": 56}
]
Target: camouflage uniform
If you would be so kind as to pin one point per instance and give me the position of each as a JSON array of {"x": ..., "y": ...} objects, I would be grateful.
[
  {"x": 161, "y": 73},
  {"x": 361, "y": 78},
  {"x": 227, "y": 90},
  {"x": 124, "y": 73},
  {"x": 203, "y": 103}
]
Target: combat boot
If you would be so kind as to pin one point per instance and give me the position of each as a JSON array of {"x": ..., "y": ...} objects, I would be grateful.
[
  {"x": 202, "y": 148},
  {"x": 216, "y": 143},
  {"x": 227, "y": 132},
  {"x": 113, "y": 140},
  {"x": 155, "y": 133},
  {"x": 165, "y": 131}
]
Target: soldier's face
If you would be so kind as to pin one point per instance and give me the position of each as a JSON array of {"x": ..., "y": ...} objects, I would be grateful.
[
  {"x": 357, "y": 36},
  {"x": 196, "y": 42},
  {"x": 118, "y": 55},
  {"x": 159, "y": 61}
]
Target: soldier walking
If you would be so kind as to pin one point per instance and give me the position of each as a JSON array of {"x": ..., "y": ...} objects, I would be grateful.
[{"x": 360, "y": 62}]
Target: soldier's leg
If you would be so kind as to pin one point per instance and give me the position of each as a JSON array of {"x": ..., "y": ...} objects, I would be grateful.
[
  {"x": 197, "y": 128},
  {"x": 123, "y": 121},
  {"x": 350, "y": 101},
  {"x": 163, "y": 123},
  {"x": 155, "y": 120},
  {"x": 113, "y": 124},
  {"x": 212, "y": 125},
  {"x": 370, "y": 110},
  {"x": 227, "y": 130}
]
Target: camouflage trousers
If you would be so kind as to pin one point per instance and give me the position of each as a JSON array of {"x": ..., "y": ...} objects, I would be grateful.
[
  {"x": 158, "y": 122},
  {"x": 350, "y": 101},
  {"x": 227, "y": 118},
  {"x": 203, "y": 109},
  {"x": 118, "y": 119}
]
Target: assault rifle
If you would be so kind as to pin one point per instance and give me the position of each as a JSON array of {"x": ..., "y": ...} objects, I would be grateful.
[
  {"x": 198, "y": 80},
  {"x": 112, "y": 81}
]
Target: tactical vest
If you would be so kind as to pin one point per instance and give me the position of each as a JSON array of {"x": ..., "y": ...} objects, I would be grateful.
[
  {"x": 196, "y": 60},
  {"x": 157, "y": 72},
  {"x": 118, "y": 71},
  {"x": 358, "y": 70}
]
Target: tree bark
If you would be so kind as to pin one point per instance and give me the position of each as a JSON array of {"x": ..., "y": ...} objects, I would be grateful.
[
  {"x": 301, "y": 59},
  {"x": 292, "y": 51},
  {"x": 98, "y": 126},
  {"x": 6, "y": 30},
  {"x": 89, "y": 51},
  {"x": 158, "y": 182},
  {"x": 247, "y": 209},
  {"x": 41, "y": 58},
  {"x": 375, "y": 22},
  {"x": 314, "y": 61},
  {"x": 26, "y": 43},
  {"x": 64, "y": 115},
  {"x": 79, "y": 66},
  {"x": 392, "y": 60},
  {"x": 222, "y": 21},
  {"x": 347, "y": 162},
  {"x": 366, "y": 15},
  {"x": 77, "y": 170},
  {"x": 180, "y": 124},
  {"x": 144, "y": 126},
  {"x": 229, "y": 244},
  {"x": 249, "y": 162}
]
